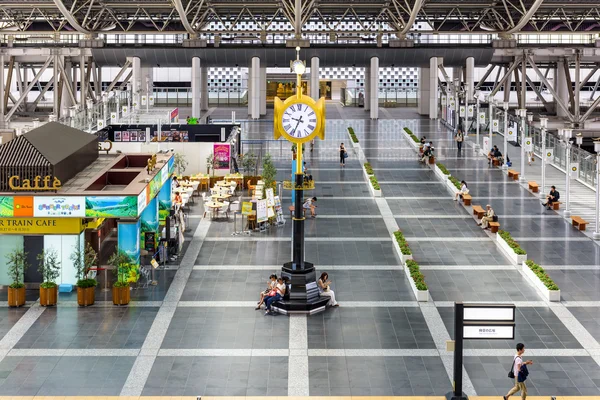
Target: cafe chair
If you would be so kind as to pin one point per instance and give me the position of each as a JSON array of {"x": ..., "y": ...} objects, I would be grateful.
[
  {"x": 224, "y": 209},
  {"x": 251, "y": 187},
  {"x": 232, "y": 187}
]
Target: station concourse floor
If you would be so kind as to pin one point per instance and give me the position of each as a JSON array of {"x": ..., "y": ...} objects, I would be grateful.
[{"x": 198, "y": 334}]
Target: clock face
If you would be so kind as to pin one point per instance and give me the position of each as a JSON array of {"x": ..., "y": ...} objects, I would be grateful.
[{"x": 299, "y": 120}]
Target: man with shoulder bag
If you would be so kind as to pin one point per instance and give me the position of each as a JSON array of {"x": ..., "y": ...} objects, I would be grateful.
[{"x": 519, "y": 373}]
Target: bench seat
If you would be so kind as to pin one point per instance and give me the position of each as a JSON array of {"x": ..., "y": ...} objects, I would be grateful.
[
  {"x": 467, "y": 199},
  {"x": 513, "y": 174},
  {"x": 533, "y": 186},
  {"x": 494, "y": 226},
  {"x": 478, "y": 211},
  {"x": 579, "y": 222}
]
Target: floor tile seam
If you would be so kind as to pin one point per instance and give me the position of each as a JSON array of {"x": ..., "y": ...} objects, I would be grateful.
[
  {"x": 42, "y": 352},
  {"x": 19, "y": 329},
  {"x": 251, "y": 304},
  {"x": 579, "y": 332},
  {"x": 520, "y": 303},
  {"x": 288, "y": 239}
]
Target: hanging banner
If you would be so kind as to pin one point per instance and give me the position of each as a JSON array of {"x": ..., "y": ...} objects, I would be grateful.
[
  {"x": 470, "y": 111},
  {"x": 221, "y": 154},
  {"x": 51, "y": 206},
  {"x": 482, "y": 117},
  {"x": 113, "y": 118},
  {"x": 124, "y": 110},
  {"x": 174, "y": 115},
  {"x": 486, "y": 144},
  {"x": 495, "y": 125},
  {"x": 462, "y": 111},
  {"x": 151, "y": 98},
  {"x": 100, "y": 124},
  {"x": 444, "y": 100},
  {"x": 261, "y": 211},
  {"x": 512, "y": 134},
  {"x": 144, "y": 100},
  {"x": 549, "y": 155},
  {"x": 528, "y": 144},
  {"x": 574, "y": 170}
]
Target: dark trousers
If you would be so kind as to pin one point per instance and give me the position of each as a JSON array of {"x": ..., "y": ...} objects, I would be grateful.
[
  {"x": 459, "y": 145},
  {"x": 270, "y": 299},
  {"x": 342, "y": 158}
]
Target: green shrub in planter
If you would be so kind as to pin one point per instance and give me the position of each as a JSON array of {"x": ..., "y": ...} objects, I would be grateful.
[
  {"x": 540, "y": 273},
  {"x": 374, "y": 182},
  {"x": 352, "y": 134},
  {"x": 511, "y": 242},
  {"x": 443, "y": 168},
  {"x": 402, "y": 243},
  {"x": 412, "y": 135},
  {"x": 455, "y": 182},
  {"x": 416, "y": 275},
  {"x": 369, "y": 169}
]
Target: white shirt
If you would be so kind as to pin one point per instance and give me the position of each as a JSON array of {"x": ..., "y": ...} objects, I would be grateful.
[
  {"x": 281, "y": 287},
  {"x": 307, "y": 203},
  {"x": 517, "y": 364},
  {"x": 464, "y": 189}
]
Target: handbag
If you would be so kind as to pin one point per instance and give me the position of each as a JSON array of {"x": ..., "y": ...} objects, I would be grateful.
[
  {"x": 511, "y": 373},
  {"x": 345, "y": 154},
  {"x": 495, "y": 218}
]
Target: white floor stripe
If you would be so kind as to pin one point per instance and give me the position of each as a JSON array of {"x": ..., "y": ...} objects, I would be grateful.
[
  {"x": 467, "y": 267},
  {"x": 298, "y": 384},
  {"x": 288, "y": 239},
  {"x": 277, "y": 268}
]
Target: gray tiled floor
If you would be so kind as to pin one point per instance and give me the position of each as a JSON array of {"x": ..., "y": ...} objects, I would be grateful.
[
  {"x": 589, "y": 318},
  {"x": 218, "y": 376},
  {"x": 370, "y": 285},
  {"x": 8, "y": 318},
  {"x": 377, "y": 376},
  {"x": 226, "y": 328},
  {"x": 457, "y": 253},
  {"x": 577, "y": 284},
  {"x": 90, "y": 328},
  {"x": 370, "y": 328},
  {"x": 426, "y": 207},
  {"x": 438, "y": 227}
]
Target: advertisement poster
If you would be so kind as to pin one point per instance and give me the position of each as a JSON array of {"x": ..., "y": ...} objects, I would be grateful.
[
  {"x": 23, "y": 206},
  {"x": 149, "y": 223},
  {"x": 174, "y": 115},
  {"x": 118, "y": 206},
  {"x": 246, "y": 208},
  {"x": 142, "y": 200},
  {"x": 221, "y": 153},
  {"x": 261, "y": 211},
  {"x": 486, "y": 144},
  {"x": 129, "y": 242},
  {"x": 165, "y": 202},
  {"x": 50, "y": 206},
  {"x": 125, "y": 136},
  {"x": 117, "y": 136},
  {"x": 270, "y": 198},
  {"x": 6, "y": 206}
]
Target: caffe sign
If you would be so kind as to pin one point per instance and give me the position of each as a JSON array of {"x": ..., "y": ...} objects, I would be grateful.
[{"x": 34, "y": 185}]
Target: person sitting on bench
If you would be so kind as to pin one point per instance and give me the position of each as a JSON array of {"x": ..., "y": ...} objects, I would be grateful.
[
  {"x": 463, "y": 190},
  {"x": 552, "y": 197},
  {"x": 308, "y": 205},
  {"x": 307, "y": 177},
  {"x": 427, "y": 153},
  {"x": 275, "y": 295},
  {"x": 487, "y": 217}
]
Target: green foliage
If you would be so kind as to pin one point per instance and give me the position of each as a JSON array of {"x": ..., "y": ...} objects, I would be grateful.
[
  {"x": 412, "y": 135},
  {"x": 123, "y": 268},
  {"x": 540, "y": 273},
  {"x": 48, "y": 266},
  {"x": 455, "y": 182},
  {"x": 268, "y": 173},
  {"x": 83, "y": 260},
  {"x": 352, "y": 134},
  {"x": 17, "y": 263},
  {"x": 48, "y": 285},
  {"x": 369, "y": 169},
  {"x": 511, "y": 242},
  {"x": 416, "y": 275},
  {"x": 180, "y": 163},
  {"x": 402, "y": 243},
  {"x": 211, "y": 163},
  {"x": 248, "y": 163},
  {"x": 443, "y": 168},
  {"x": 374, "y": 182}
]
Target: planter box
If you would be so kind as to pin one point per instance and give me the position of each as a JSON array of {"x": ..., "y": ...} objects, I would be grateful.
[
  {"x": 16, "y": 297},
  {"x": 421, "y": 295},
  {"x": 509, "y": 252},
  {"x": 438, "y": 172},
  {"x": 86, "y": 296},
  {"x": 48, "y": 297},
  {"x": 374, "y": 193},
  {"x": 121, "y": 295},
  {"x": 354, "y": 145},
  {"x": 366, "y": 175},
  {"x": 450, "y": 186},
  {"x": 413, "y": 144},
  {"x": 403, "y": 257},
  {"x": 550, "y": 295}
]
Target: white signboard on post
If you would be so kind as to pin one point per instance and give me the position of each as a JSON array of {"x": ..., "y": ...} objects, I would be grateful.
[
  {"x": 512, "y": 134},
  {"x": 486, "y": 144},
  {"x": 444, "y": 100},
  {"x": 484, "y": 313},
  {"x": 528, "y": 144},
  {"x": 151, "y": 98},
  {"x": 100, "y": 124},
  {"x": 462, "y": 111},
  {"x": 144, "y": 100},
  {"x": 261, "y": 211},
  {"x": 495, "y": 125},
  {"x": 489, "y": 321},
  {"x": 575, "y": 170},
  {"x": 495, "y": 331},
  {"x": 113, "y": 118},
  {"x": 470, "y": 111},
  {"x": 549, "y": 155},
  {"x": 482, "y": 117}
]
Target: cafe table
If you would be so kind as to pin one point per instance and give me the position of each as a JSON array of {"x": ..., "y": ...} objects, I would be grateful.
[{"x": 214, "y": 207}]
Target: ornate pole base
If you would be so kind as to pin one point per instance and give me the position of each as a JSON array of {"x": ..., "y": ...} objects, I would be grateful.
[{"x": 303, "y": 291}]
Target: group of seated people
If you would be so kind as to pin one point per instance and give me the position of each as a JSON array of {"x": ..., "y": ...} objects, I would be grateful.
[
  {"x": 496, "y": 156},
  {"x": 276, "y": 288},
  {"x": 425, "y": 150},
  {"x": 488, "y": 216}
]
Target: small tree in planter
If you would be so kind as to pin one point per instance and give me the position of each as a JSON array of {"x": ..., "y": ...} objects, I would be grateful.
[
  {"x": 211, "y": 163},
  {"x": 180, "y": 163},
  {"x": 248, "y": 163},
  {"x": 49, "y": 267},
  {"x": 122, "y": 263},
  {"x": 16, "y": 261},
  {"x": 83, "y": 260}
]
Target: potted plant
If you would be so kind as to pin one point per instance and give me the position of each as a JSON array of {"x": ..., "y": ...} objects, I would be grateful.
[
  {"x": 16, "y": 261},
  {"x": 83, "y": 260},
  {"x": 248, "y": 163},
  {"x": 180, "y": 163},
  {"x": 120, "y": 291},
  {"x": 210, "y": 162},
  {"x": 49, "y": 267}
]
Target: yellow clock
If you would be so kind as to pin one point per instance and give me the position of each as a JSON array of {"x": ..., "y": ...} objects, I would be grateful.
[{"x": 299, "y": 118}]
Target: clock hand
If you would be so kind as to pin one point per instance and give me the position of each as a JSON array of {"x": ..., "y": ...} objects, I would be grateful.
[{"x": 298, "y": 123}]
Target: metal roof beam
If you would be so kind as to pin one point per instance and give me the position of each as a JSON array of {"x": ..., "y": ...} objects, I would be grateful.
[{"x": 69, "y": 17}]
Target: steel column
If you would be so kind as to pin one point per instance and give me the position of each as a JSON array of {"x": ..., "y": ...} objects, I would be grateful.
[{"x": 24, "y": 94}]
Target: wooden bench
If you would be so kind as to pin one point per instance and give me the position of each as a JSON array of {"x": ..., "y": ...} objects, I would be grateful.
[
  {"x": 292, "y": 209},
  {"x": 478, "y": 211},
  {"x": 494, "y": 226},
  {"x": 496, "y": 162},
  {"x": 533, "y": 186},
  {"x": 432, "y": 160},
  {"x": 467, "y": 199},
  {"x": 513, "y": 174},
  {"x": 579, "y": 222},
  {"x": 556, "y": 205}
]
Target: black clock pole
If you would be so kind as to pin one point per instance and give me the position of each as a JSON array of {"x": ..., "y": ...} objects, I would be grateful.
[{"x": 298, "y": 225}]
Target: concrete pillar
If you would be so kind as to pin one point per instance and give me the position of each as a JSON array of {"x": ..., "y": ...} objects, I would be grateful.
[
  {"x": 506, "y": 88},
  {"x": 263, "y": 91},
  {"x": 314, "y": 78},
  {"x": 470, "y": 78},
  {"x": 367, "y": 89},
  {"x": 374, "y": 78},
  {"x": 204, "y": 89},
  {"x": 433, "y": 87},
  {"x": 56, "y": 88},
  {"x": 2, "y": 110},
  {"x": 254, "y": 86},
  {"x": 249, "y": 85},
  {"x": 65, "y": 100},
  {"x": 560, "y": 86},
  {"x": 424, "y": 91},
  {"x": 136, "y": 82},
  {"x": 82, "y": 82},
  {"x": 457, "y": 73},
  {"x": 195, "y": 83}
]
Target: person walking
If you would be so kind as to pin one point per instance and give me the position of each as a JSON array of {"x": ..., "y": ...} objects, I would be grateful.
[
  {"x": 519, "y": 372},
  {"x": 343, "y": 155},
  {"x": 459, "y": 137}
]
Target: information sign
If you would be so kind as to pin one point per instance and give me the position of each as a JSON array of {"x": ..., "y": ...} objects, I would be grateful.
[
  {"x": 482, "y": 117},
  {"x": 484, "y": 312},
  {"x": 549, "y": 155},
  {"x": 497, "y": 330},
  {"x": 270, "y": 197},
  {"x": 246, "y": 208},
  {"x": 528, "y": 144},
  {"x": 261, "y": 211}
]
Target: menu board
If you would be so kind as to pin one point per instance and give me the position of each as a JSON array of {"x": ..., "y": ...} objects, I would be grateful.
[
  {"x": 261, "y": 211},
  {"x": 246, "y": 208},
  {"x": 270, "y": 197}
]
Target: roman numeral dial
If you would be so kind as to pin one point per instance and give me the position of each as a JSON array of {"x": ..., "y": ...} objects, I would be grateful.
[{"x": 299, "y": 120}]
